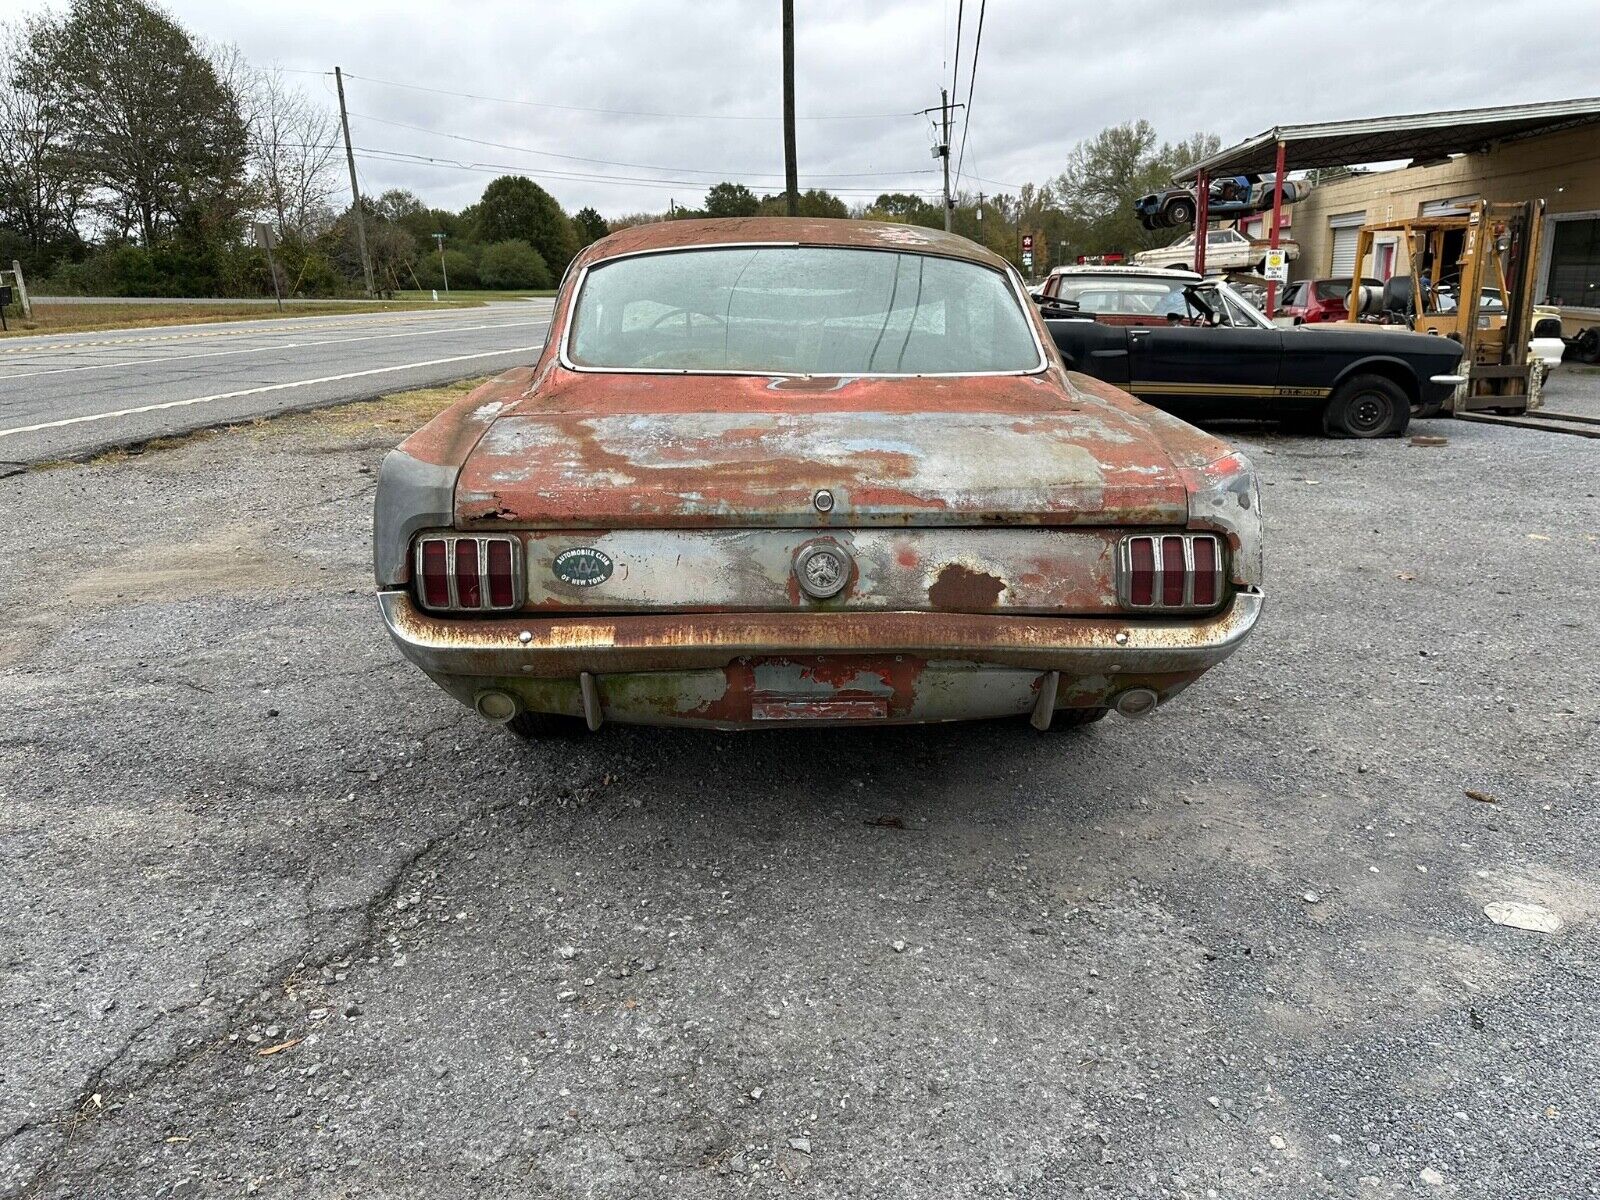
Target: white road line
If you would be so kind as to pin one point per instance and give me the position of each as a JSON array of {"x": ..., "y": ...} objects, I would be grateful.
[
  {"x": 366, "y": 337},
  {"x": 255, "y": 391}
]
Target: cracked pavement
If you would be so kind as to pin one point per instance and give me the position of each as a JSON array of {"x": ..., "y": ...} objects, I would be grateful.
[{"x": 280, "y": 918}]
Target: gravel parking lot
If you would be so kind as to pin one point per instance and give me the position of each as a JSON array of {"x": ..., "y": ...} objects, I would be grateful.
[{"x": 279, "y": 918}]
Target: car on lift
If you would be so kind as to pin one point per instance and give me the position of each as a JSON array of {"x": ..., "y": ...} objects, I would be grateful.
[
  {"x": 1226, "y": 250},
  {"x": 1229, "y": 197},
  {"x": 776, "y": 471},
  {"x": 1198, "y": 348}
]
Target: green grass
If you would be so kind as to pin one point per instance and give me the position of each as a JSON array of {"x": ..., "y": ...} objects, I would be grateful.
[
  {"x": 474, "y": 294},
  {"x": 90, "y": 317}
]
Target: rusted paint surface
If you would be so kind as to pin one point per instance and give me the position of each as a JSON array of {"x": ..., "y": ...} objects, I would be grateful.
[
  {"x": 961, "y": 589},
  {"x": 662, "y": 570},
  {"x": 564, "y": 646},
  {"x": 892, "y": 452}
]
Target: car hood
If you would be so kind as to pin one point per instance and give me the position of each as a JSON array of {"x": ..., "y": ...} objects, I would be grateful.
[
  {"x": 593, "y": 451},
  {"x": 1336, "y": 336}
]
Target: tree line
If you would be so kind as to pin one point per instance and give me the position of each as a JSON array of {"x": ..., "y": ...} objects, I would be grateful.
[{"x": 135, "y": 158}]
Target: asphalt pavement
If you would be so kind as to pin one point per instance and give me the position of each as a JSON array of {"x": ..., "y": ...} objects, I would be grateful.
[
  {"x": 70, "y": 395},
  {"x": 279, "y": 918}
]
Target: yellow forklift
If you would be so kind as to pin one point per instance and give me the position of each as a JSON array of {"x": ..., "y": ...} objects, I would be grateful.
[{"x": 1470, "y": 278}]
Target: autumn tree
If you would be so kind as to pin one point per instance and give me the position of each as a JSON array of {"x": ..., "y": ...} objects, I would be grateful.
[{"x": 151, "y": 122}]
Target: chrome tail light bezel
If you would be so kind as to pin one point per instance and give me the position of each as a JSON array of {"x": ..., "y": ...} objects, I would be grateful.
[
  {"x": 1195, "y": 547},
  {"x": 485, "y": 593}
]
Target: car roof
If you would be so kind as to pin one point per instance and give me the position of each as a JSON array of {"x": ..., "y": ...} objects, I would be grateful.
[
  {"x": 779, "y": 231},
  {"x": 1143, "y": 272}
]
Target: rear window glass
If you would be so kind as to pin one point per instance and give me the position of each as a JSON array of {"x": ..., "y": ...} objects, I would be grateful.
[{"x": 800, "y": 310}]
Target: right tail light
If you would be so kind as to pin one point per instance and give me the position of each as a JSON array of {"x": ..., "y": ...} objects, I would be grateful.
[{"x": 1170, "y": 571}]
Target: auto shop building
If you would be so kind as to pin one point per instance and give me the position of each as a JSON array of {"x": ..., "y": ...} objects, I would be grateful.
[{"x": 1515, "y": 153}]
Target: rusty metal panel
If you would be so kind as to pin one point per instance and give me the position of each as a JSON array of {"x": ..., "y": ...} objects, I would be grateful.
[
  {"x": 943, "y": 570},
  {"x": 976, "y": 465}
]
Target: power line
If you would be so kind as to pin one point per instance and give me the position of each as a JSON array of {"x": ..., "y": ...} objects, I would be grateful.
[
  {"x": 637, "y": 166},
  {"x": 972, "y": 76},
  {"x": 955, "y": 75},
  {"x": 378, "y": 154},
  {"x": 624, "y": 112}
]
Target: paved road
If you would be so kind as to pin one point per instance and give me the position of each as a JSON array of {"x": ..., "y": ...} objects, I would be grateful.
[
  {"x": 67, "y": 395},
  {"x": 278, "y": 918}
]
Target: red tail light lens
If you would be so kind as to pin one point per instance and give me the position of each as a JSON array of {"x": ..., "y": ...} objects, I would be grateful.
[
  {"x": 472, "y": 574},
  {"x": 1171, "y": 571},
  {"x": 1174, "y": 576},
  {"x": 469, "y": 591},
  {"x": 434, "y": 573},
  {"x": 502, "y": 587},
  {"x": 1141, "y": 587}
]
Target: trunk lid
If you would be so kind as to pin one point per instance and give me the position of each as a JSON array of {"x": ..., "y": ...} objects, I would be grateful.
[{"x": 599, "y": 451}]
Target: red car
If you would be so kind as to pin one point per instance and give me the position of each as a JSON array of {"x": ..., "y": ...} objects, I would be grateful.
[{"x": 1311, "y": 301}]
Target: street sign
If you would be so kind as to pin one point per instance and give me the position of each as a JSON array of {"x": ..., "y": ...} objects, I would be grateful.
[
  {"x": 1277, "y": 265},
  {"x": 265, "y": 236},
  {"x": 1027, "y": 243},
  {"x": 1027, "y": 260}
]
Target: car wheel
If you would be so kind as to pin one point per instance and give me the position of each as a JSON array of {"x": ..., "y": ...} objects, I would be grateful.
[
  {"x": 532, "y": 725},
  {"x": 1367, "y": 406},
  {"x": 1075, "y": 718},
  {"x": 1180, "y": 212}
]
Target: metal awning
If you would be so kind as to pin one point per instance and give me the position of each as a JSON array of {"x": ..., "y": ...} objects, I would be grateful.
[{"x": 1387, "y": 139}]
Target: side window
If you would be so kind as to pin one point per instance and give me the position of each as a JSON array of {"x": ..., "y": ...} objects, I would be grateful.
[{"x": 1292, "y": 296}]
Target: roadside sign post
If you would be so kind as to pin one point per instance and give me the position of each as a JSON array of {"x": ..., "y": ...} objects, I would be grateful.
[
  {"x": 443, "y": 270},
  {"x": 1027, "y": 253},
  {"x": 267, "y": 239},
  {"x": 1277, "y": 266},
  {"x": 1277, "y": 222}
]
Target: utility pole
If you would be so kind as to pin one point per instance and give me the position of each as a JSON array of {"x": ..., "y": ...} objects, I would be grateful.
[
  {"x": 944, "y": 152},
  {"x": 443, "y": 270},
  {"x": 791, "y": 173},
  {"x": 355, "y": 188}
]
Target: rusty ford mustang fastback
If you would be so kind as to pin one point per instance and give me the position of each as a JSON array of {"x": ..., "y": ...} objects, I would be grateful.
[{"x": 783, "y": 472}]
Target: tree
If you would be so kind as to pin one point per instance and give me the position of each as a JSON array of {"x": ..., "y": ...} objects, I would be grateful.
[
  {"x": 814, "y": 202},
  {"x": 906, "y": 209},
  {"x": 152, "y": 122},
  {"x": 293, "y": 151},
  {"x": 513, "y": 264},
  {"x": 1106, "y": 173},
  {"x": 590, "y": 226},
  {"x": 515, "y": 208},
  {"x": 731, "y": 200},
  {"x": 41, "y": 187}
]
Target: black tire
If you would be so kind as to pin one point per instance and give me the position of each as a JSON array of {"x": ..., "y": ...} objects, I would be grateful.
[
  {"x": 1075, "y": 718},
  {"x": 532, "y": 725},
  {"x": 1179, "y": 212},
  {"x": 1367, "y": 406}
]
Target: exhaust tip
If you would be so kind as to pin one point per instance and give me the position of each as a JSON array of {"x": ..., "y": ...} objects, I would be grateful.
[
  {"x": 495, "y": 706},
  {"x": 1137, "y": 702}
]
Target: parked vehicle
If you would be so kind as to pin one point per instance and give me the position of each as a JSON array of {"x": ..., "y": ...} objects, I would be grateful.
[
  {"x": 1226, "y": 250},
  {"x": 1229, "y": 197},
  {"x": 1197, "y": 348},
  {"x": 1312, "y": 301},
  {"x": 779, "y": 471}
]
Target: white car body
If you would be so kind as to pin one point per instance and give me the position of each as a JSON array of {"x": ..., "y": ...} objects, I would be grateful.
[{"x": 1226, "y": 250}]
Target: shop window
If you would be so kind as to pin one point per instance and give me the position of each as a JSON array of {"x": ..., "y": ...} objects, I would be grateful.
[{"x": 1574, "y": 278}]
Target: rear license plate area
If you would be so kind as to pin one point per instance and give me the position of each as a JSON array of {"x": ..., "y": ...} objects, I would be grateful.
[{"x": 769, "y": 708}]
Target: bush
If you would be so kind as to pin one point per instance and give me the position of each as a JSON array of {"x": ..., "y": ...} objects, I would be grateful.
[
  {"x": 463, "y": 271},
  {"x": 512, "y": 264}
]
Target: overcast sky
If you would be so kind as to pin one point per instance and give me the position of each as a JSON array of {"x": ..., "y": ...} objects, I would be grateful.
[{"x": 1048, "y": 74}]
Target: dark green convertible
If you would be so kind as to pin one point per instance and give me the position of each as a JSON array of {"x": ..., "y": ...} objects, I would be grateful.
[{"x": 1197, "y": 348}]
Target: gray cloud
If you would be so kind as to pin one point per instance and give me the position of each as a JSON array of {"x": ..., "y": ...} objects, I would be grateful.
[{"x": 1050, "y": 73}]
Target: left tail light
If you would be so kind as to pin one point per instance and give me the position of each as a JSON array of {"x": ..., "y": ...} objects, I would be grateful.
[
  {"x": 1170, "y": 572},
  {"x": 479, "y": 573}
]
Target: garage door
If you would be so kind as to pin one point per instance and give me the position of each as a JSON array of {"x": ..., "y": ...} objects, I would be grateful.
[{"x": 1346, "y": 229}]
